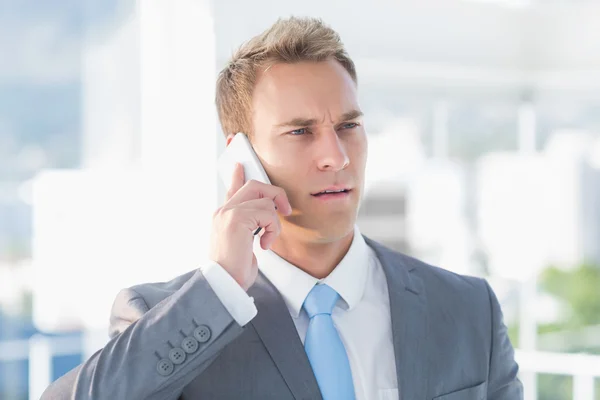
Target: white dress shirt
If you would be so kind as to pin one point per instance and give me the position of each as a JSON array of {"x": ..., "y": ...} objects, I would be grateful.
[{"x": 361, "y": 315}]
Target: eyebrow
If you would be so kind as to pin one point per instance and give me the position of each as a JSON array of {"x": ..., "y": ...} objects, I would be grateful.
[{"x": 353, "y": 114}]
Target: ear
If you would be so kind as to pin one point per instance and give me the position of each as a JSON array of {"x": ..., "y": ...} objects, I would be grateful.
[{"x": 229, "y": 138}]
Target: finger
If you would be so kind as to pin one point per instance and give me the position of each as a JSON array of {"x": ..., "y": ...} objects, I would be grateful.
[
  {"x": 260, "y": 205},
  {"x": 267, "y": 220},
  {"x": 256, "y": 190},
  {"x": 265, "y": 203},
  {"x": 266, "y": 240},
  {"x": 237, "y": 181},
  {"x": 269, "y": 236}
]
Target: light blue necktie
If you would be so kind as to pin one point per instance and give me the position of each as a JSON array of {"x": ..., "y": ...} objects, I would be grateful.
[{"x": 324, "y": 347}]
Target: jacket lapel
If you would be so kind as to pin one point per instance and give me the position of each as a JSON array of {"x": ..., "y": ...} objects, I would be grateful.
[
  {"x": 410, "y": 324},
  {"x": 278, "y": 333}
]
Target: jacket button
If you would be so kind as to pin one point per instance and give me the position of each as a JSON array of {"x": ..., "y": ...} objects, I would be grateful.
[
  {"x": 202, "y": 333},
  {"x": 189, "y": 345},
  {"x": 177, "y": 356},
  {"x": 164, "y": 367}
]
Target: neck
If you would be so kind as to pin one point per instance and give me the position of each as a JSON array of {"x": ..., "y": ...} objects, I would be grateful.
[{"x": 315, "y": 258}]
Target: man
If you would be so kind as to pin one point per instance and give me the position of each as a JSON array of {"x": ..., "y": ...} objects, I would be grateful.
[{"x": 311, "y": 309}]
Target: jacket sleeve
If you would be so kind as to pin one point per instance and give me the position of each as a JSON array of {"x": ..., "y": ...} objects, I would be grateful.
[
  {"x": 503, "y": 383},
  {"x": 155, "y": 350}
]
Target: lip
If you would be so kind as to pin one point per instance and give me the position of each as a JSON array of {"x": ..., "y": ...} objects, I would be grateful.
[
  {"x": 333, "y": 188},
  {"x": 333, "y": 197}
]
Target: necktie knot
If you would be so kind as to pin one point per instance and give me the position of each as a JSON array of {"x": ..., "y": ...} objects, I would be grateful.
[{"x": 320, "y": 300}]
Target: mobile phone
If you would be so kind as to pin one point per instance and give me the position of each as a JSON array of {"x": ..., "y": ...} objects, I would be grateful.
[{"x": 240, "y": 151}]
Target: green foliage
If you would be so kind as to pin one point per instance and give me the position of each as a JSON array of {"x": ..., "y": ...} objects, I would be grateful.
[
  {"x": 554, "y": 387},
  {"x": 579, "y": 289}
]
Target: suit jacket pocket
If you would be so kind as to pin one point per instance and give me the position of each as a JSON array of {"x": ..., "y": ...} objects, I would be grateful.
[{"x": 476, "y": 392}]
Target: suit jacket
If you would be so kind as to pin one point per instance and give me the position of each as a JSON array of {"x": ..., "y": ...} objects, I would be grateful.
[{"x": 450, "y": 343}]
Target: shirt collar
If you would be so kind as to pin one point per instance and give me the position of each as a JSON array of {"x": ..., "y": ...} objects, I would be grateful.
[{"x": 348, "y": 278}]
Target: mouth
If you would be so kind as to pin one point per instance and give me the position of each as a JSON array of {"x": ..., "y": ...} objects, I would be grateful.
[{"x": 332, "y": 193}]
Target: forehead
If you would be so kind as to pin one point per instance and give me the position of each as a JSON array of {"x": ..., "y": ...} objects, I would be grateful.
[{"x": 306, "y": 89}]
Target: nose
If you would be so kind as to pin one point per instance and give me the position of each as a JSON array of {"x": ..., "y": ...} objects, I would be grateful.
[{"x": 332, "y": 152}]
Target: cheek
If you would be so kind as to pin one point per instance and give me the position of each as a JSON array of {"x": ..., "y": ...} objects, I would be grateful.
[
  {"x": 358, "y": 149},
  {"x": 285, "y": 167},
  {"x": 282, "y": 158}
]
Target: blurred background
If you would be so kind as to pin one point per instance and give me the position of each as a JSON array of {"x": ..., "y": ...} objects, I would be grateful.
[{"x": 484, "y": 130}]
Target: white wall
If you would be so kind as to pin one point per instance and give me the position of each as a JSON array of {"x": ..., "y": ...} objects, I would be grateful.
[
  {"x": 564, "y": 37},
  {"x": 100, "y": 229},
  {"x": 433, "y": 31},
  {"x": 555, "y": 46}
]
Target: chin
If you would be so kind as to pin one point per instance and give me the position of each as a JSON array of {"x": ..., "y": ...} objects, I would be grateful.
[{"x": 324, "y": 230}]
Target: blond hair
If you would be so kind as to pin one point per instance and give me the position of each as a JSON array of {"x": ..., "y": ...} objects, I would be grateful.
[{"x": 290, "y": 41}]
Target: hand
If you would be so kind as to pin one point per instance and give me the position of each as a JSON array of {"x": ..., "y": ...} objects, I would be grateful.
[{"x": 247, "y": 207}]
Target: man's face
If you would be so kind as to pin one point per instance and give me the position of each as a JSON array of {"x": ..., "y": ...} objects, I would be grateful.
[{"x": 309, "y": 136}]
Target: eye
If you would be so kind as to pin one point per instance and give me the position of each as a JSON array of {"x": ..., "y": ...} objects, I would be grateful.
[
  {"x": 298, "y": 132},
  {"x": 349, "y": 125}
]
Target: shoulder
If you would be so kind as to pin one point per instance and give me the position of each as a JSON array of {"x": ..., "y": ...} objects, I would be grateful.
[
  {"x": 444, "y": 282},
  {"x": 446, "y": 291}
]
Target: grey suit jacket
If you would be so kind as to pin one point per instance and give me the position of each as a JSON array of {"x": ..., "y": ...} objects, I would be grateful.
[{"x": 450, "y": 343}]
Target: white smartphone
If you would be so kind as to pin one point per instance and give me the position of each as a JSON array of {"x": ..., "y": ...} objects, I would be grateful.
[{"x": 240, "y": 151}]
